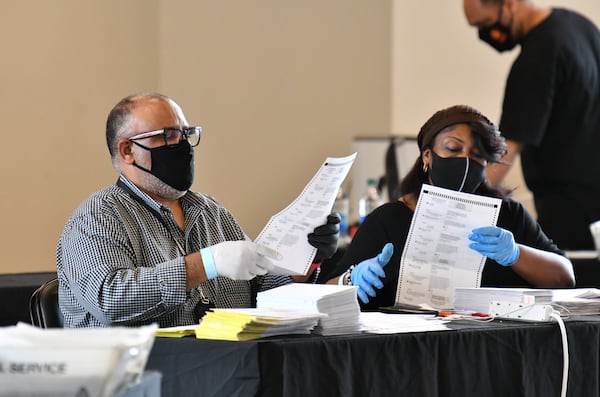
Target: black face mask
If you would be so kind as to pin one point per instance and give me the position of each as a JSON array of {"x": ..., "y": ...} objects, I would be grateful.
[
  {"x": 172, "y": 164},
  {"x": 498, "y": 36},
  {"x": 457, "y": 173}
]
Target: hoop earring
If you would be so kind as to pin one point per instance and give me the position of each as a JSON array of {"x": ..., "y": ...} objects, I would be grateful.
[{"x": 425, "y": 168}]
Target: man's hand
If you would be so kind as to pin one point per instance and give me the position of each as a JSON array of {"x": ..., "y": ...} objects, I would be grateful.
[
  {"x": 238, "y": 260},
  {"x": 325, "y": 238}
]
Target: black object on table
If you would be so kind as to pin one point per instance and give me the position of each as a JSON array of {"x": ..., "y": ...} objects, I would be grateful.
[{"x": 15, "y": 291}]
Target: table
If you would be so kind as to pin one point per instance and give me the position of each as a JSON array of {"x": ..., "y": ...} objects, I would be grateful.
[{"x": 503, "y": 358}]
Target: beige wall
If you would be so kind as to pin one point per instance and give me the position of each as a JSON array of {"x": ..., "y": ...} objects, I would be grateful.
[
  {"x": 63, "y": 65},
  {"x": 277, "y": 86}
]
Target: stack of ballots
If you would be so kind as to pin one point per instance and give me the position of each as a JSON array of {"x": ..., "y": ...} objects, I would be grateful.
[
  {"x": 479, "y": 299},
  {"x": 337, "y": 302},
  {"x": 254, "y": 323},
  {"x": 577, "y": 301}
]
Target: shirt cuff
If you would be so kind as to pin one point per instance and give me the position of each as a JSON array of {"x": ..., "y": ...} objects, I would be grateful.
[
  {"x": 209, "y": 263},
  {"x": 171, "y": 279}
]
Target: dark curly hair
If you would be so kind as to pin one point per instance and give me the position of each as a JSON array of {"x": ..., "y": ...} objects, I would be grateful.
[{"x": 485, "y": 135}]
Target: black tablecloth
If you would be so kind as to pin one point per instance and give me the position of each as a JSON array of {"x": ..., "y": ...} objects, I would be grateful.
[{"x": 497, "y": 359}]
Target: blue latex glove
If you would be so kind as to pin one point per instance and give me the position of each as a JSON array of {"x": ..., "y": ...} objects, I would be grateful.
[
  {"x": 367, "y": 273},
  {"x": 495, "y": 243}
]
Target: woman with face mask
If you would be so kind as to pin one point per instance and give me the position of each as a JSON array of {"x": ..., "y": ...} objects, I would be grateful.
[{"x": 455, "y": 146}]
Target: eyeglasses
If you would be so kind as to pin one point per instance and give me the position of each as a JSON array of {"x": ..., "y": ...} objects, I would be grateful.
[{"x": 172, "y": 135}]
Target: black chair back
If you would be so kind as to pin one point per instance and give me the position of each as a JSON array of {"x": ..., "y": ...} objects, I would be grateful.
[{"x": 43, "y": 306}]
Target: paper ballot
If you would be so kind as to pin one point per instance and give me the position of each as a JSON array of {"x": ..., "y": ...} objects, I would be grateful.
[
  {"x": 436, "y": 257},
  {"x": 287, "y": 230}
]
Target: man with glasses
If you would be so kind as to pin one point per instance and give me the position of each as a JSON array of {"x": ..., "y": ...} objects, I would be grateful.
[
  {"x": 147, "y": 249},
  {"x": 551, "y": 110}
]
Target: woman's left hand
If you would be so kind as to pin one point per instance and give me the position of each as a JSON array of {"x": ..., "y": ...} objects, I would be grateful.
[{"x": 495, "y": 243}]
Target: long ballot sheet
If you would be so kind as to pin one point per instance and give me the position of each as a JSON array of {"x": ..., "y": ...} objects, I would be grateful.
[
  {"x": 437, "y": 257},
  {"x": 287, "y": 230}
]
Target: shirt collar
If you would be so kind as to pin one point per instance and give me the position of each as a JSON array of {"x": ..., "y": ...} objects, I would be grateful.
[{"x": 155, "y": 205}]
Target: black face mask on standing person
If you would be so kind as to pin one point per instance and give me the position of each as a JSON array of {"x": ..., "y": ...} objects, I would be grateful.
[
  {"x": 457, "y": 173},
  {"x": 498, "y": 35},
  {"x": 172, "y": 164}
]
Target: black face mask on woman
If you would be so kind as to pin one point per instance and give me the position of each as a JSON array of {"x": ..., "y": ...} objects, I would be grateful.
[
  {"x": 457, "y": 173},
  {"x": 172, "y": 164},
  {"x": 498, "y": 36}
]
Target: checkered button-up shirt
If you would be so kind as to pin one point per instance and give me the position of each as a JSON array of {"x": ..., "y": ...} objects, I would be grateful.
[{"x": 120, "y": 260}]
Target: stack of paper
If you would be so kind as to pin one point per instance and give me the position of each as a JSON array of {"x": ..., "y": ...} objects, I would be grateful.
[
  {"x": 338, "y": 302},
  {"x": 479, "y": 299},
  {"x": 247, "y": 324},
  {"x": 577, "y": 301},
  {"x": 177, "y": 332},
  {"x": 385, "y": 323}
]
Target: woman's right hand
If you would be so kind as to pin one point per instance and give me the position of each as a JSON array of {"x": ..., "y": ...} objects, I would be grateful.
[{"x": 367, "y": 274}]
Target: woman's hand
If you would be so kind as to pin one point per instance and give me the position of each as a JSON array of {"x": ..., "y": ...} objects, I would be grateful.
[{"x": 495, "y": 243}]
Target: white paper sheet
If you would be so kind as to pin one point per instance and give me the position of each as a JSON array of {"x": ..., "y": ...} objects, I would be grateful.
[
  {"x": 383, "y": 323},
  {"x": 287, "y": 230},
  {"x": 437, "y": 258}
]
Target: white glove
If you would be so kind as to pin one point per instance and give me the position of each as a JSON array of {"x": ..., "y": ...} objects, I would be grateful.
[{"x": 238, "y": 260}]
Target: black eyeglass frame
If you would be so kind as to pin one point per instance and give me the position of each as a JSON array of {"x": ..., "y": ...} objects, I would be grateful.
[{"x": 181, "y": 133}]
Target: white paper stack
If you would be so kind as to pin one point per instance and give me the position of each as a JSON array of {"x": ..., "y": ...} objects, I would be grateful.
[
  {"x": 385, "y": 323},
  {"x": 479, "y": 299},
  {"x": 338, "y": 302},
  {"x": 577, "y": 301}
]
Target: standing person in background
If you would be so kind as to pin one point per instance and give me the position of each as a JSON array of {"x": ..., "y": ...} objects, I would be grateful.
[
  {"x": 146, "y": 249},
  {"x": 551, "y": 110}
]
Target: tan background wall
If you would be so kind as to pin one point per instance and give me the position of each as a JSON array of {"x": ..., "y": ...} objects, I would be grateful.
[
  {"x": 64, "y": 63},
  {"x": 278, "y": 85}
]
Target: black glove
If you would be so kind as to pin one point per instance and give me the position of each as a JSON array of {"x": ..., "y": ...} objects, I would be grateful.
[{"x": 325, "y": 237}]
